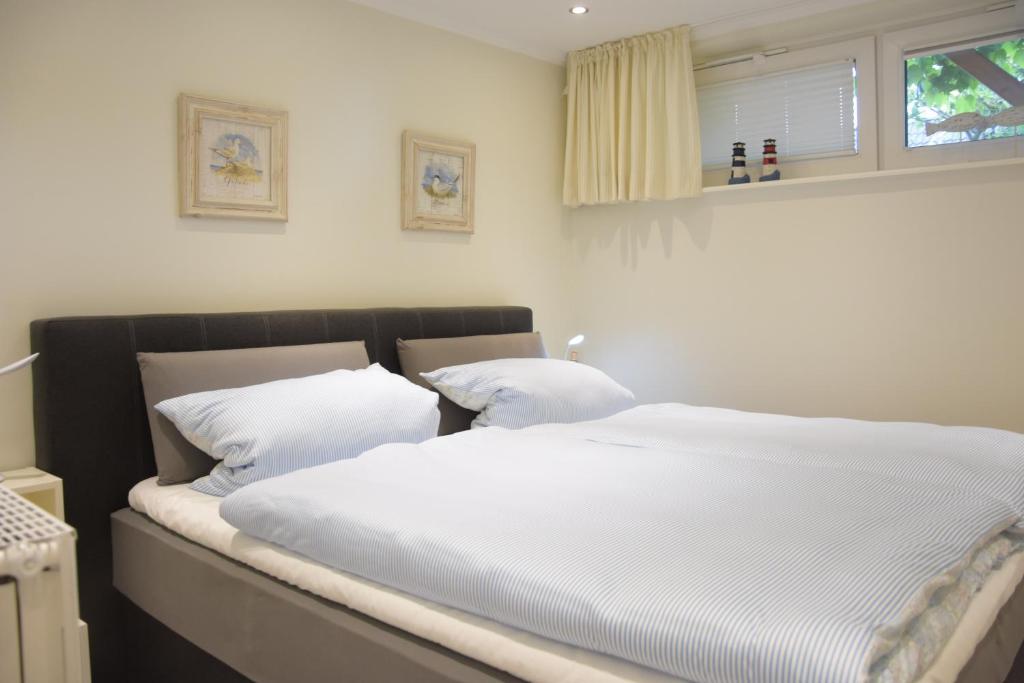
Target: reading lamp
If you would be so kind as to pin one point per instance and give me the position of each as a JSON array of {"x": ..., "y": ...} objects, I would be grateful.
[
  {"x": 18, "y": 365},
  {"x": 575, "y": 341},
  {"x": 14, "y": 367}
]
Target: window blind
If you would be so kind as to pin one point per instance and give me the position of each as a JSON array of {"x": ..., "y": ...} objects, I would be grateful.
[{"x": 810, "y": 112}]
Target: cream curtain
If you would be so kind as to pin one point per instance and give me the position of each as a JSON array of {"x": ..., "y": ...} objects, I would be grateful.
[{"x": 632, "y": 132}]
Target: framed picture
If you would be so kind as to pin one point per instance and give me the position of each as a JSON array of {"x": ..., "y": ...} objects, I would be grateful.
[
  {"x": 437, "y": 183},
  {"x": 232, "y": 159}
]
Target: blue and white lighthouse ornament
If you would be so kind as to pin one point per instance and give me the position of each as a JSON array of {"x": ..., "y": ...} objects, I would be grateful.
[{"x": 739, "y": 173}]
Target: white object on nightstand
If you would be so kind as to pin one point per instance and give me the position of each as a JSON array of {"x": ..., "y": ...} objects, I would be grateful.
[
  {"x": 39, "y": 617},
  {"x": 42, "y": 488}
]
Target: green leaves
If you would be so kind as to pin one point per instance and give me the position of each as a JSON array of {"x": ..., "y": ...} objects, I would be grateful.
[
  {"x": 965, "y": 102},
  {"x": 914, "y": 71},
  {"x": 937, "y": 88}
]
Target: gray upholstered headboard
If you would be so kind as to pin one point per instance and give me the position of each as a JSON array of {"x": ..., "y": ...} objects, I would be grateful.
[{"x": 90, "y": 418}]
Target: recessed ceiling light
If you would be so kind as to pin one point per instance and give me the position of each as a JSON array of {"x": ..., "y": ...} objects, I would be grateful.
[{"x": 579, "y": 9}]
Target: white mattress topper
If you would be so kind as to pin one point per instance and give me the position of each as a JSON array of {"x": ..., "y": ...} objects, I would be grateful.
[{"x": 195, "y": 516}]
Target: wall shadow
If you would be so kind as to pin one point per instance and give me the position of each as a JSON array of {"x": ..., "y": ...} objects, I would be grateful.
[{"x": 632, "y": 225}]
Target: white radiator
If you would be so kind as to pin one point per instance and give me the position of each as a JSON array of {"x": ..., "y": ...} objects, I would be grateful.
[{"x": 42, "y": 639}]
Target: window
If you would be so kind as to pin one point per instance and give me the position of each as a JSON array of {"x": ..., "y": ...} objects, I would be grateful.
[
  {"x": 811, "y": 101},
  {"x": 811, "y": 112},
  {"x": 966, "y": 92},
  {"x": 953, "y": 91}
]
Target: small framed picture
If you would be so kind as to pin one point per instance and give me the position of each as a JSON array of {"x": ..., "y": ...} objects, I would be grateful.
[
  {"x": 437, "y": 183},
  {"x": 232, "y": 159}
]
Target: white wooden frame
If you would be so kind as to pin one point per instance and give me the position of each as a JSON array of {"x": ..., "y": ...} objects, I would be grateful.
[
  {"x": 191, "y": 112},
  {"x": 861, "y": 50},
  {"x": 895, "y": 153},
  {"x": 415, "y": 220}
]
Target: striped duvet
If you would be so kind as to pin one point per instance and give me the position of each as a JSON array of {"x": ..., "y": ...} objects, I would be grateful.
[{"x": 713, "y": 545}]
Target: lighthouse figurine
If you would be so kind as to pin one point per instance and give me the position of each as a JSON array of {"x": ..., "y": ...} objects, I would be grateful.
[
  {"x": 770, "y": 162},
  {"x": 739, "y": 164}
]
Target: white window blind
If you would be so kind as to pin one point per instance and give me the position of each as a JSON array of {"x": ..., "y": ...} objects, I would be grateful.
[{"x": 809, "y": 112}]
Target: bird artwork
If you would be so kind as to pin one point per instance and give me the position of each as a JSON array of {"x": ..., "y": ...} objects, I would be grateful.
[
  {"x": 437, "y": 183},
  {"x": 440, "y": 189},
  {"x": 232, "y": 159},
  {"x": 441, "y": 181},
  {"x": 236, "y": 159},
  {"x": 230, "y": 151}
]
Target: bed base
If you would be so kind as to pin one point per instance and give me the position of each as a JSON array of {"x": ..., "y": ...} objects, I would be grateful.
[
  {"x": 268, "y": 631},
  {"x": 290, "y": 635},
  {"x": 256, "y": 628}
]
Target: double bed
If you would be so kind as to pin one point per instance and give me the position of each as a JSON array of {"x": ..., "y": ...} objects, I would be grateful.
[{"x": 206, "y": 601}]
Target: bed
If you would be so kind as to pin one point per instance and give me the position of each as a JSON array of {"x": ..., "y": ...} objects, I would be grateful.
[{"x": 91, "y": 430}]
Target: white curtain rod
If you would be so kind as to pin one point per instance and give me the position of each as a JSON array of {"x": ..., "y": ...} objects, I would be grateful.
[{"x": 740, "y": 58}]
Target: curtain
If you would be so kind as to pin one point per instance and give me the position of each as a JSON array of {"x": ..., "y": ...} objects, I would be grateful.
[{"x": 632, "y": 132}]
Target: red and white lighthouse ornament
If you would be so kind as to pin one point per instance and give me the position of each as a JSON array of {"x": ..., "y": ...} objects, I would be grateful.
[{"x": 770, "y": 162}]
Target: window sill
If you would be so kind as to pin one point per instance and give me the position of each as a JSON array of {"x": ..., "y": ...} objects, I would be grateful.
[{"x": 849, "y": 177}]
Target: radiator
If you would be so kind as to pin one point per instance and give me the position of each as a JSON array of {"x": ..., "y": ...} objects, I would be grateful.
[{"x": 42, "y": 639}]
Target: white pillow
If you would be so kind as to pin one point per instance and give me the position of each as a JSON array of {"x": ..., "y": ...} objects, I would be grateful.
[
  {"x": 519, "y": 392},
  {"x": 265, "y": 430}
]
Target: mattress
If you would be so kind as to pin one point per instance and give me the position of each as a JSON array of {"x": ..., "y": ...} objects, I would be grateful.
[{"x": 195, "y": 516}]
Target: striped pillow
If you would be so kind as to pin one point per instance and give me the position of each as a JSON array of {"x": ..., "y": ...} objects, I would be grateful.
[
  {"x": 520, "y": 392},
  {"x": 266, "y": 430}
]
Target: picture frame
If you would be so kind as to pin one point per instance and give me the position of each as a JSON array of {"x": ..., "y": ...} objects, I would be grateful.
[
  {"x": 438, "y": 183},
  {"x": 232, "y": 159}
]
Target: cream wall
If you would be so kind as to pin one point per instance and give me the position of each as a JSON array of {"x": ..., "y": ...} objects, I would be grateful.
[
  {"x": 891, "y": 298},
  {"x": 87, "y": 179},
  {"x": 886, "y": 298}
]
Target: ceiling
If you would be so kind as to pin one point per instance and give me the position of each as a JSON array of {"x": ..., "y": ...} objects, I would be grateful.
[{"x": 545, "y": 29}]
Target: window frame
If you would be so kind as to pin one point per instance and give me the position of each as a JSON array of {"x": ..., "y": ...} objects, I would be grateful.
[
  {"x": 895, "y": 153},
  {"x": 862, "y": 51}
]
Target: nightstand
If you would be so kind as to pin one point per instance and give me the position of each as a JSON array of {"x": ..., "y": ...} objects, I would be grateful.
[
  {"x": 39, "y": 487},
  {"x": 40, "y": 631}
]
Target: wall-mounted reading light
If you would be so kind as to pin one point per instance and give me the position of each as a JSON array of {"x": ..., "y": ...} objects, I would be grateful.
[
  {"x": 24, "y": 362},
  {"x": 575, "y": 341}
]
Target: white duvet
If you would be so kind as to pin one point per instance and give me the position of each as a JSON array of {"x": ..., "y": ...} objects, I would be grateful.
[{"x": 710, "y": 545}]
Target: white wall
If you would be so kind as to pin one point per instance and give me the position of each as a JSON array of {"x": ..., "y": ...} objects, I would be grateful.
[
  {"x": 88, "y": 152},
  {"x": 887, "y": 298}
]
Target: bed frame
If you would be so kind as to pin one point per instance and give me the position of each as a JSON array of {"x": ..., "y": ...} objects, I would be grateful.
[
  {"x": 145, "y": 591},
  {"x": 92, "y": 431}
]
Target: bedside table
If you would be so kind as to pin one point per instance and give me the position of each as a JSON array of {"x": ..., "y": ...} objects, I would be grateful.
[
  {"x": 36, "y": 608},
  {"x": 39, "y": 487}
]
